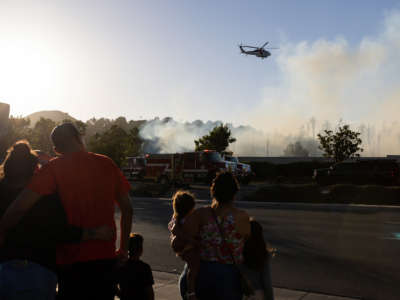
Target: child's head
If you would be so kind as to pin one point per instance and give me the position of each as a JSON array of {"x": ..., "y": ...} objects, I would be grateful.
[
  {"x": 135, "y": 245},
  {"x": 255, "y": 250},
  {"x": 183, "y": 203}
]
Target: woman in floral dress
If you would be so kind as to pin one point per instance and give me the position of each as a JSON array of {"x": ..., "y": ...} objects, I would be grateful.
[{"x": 218, "y": 277}]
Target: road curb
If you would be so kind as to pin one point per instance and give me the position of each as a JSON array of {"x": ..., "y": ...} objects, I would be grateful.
[{"x": 166, "y": 288}]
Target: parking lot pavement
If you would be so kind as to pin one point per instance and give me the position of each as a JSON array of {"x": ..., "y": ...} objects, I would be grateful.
[{"x": 166, "y": 288}]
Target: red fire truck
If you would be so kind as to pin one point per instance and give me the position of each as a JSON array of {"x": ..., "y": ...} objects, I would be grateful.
[{"x": 188, "y": 167}]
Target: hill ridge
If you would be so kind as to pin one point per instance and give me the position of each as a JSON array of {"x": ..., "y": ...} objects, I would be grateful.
[{"x": 55, "y": 115}]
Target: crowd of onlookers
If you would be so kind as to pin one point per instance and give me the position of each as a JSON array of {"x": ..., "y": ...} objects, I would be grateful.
[{"x": 58, "y": 232}]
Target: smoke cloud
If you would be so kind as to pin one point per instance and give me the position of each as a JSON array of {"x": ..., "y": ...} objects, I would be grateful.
[
  {"x": 332, "y": 81},
  {"x": 169, "y": 136},
  {"x": 322, "y": 84}
]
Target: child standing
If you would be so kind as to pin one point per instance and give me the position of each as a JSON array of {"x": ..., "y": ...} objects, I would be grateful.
[
  {"x": 183, "y": 245},
  {"x": 256, "y": 266},
  {"x": 135, "y": 277}
]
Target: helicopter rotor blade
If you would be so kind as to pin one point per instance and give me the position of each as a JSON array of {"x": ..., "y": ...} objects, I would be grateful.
[
  {"x": 264, "y": 45},
  {"x": 271, "y": 48},
  {"x": 251, "y": 47}
]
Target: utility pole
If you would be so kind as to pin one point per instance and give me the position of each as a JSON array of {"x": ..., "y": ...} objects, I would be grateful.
[
  {"x": 267, "y": 147},
  {"x": 313, "y": 122}
]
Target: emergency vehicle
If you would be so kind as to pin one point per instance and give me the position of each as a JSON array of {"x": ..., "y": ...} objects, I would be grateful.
[
  {"x": 242, "y": 171},
  {"x": 187, "y": 167}
]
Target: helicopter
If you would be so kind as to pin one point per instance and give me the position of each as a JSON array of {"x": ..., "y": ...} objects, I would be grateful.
[{"x": 259, "y": 51}]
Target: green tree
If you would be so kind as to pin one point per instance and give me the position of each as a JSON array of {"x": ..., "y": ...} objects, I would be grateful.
[
  {"x": 81, "y": 126},
  {"x": 218, "y": 139},
  {"x": 121, "y": 122},
  {"x": 40, "y": 138},
  {"x": 295, "y": 149},
  {"x": 116, "y": 143},
  {"x": 98, "y": 126},
  {"x": 342, "y": 144},
  {"x": 17, "y": 129}
]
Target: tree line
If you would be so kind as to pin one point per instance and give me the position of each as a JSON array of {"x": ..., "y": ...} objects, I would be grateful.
[
  {"x": 120, "y": 138},
  {"x": 114, "y": 138},
  {"x": 117, "y": 138}
]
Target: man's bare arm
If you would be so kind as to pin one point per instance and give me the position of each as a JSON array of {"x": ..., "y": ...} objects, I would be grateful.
[
  {"x": 17, "y": 209},
  {"x": 149, "y": 292},
  {"x": 126, "y": 221}
]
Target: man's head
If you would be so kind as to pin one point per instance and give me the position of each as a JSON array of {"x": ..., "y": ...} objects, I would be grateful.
[
  {"x": 135, "y": 245},
  {"x": 66, "y": 138}
]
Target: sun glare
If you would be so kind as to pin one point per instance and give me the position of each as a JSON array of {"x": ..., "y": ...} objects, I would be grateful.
[{"x": 27, "y": 71}]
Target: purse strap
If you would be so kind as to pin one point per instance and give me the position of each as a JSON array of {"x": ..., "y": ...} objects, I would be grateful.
[{"x": 221, "y": 232}]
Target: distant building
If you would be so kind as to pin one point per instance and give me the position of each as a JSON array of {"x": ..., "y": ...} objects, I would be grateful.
[{"x": 4, "y": 115}]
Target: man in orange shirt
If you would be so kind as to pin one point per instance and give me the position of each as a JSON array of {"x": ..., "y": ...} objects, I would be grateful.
[{"x": 89, "y": 185}]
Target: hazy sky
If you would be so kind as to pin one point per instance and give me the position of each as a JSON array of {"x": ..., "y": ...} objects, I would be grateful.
[{"x": 142, "y": 59}]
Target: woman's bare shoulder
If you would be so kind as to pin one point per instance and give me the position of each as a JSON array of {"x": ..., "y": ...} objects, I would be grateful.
[
  {"x": 202, "y": 210},
  {"x": 241, "y": 213},
  {"x": 195, "y": 221},
  {"x": 199, "y": 213},
  {"x": 242, "y": 222}
]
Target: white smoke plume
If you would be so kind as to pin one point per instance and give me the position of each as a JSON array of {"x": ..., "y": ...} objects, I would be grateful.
[
  {"x": 332, "y": 80},
  {"x": 328, "y": 79},
  {"x": 169, "y": 136}
]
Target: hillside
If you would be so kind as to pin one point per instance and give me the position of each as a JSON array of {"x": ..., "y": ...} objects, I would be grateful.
[{"x": 55, "y": 115}]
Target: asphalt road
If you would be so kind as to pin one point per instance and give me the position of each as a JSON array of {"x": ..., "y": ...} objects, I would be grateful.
[{"x": 339, "y": 253}]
